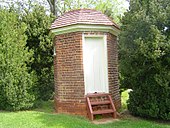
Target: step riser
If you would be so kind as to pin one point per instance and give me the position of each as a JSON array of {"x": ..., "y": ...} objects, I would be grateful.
[
  {"x": 103, "y": 112},
  {"x": 100, "y": 103}
]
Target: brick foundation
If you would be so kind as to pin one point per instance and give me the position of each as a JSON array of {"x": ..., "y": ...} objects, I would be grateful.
[
  {"x": 74, "y": 108},
  {"x": 69, "y": 76}
]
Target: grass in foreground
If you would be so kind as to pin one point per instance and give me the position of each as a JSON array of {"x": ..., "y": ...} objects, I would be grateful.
[
  {"x": 43, "y": 117},
  {"x": 34, "y": 119}
]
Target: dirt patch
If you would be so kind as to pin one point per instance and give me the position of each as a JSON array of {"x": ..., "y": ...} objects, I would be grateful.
[{"x": 104, "y": 121}]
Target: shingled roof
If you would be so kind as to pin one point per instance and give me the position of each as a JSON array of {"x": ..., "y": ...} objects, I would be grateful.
[{"x": 83, "y": 16}]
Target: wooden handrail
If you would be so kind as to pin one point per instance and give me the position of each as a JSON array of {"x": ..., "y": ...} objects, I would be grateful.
[
  {"x": 89, "y": 105},
  {"x": 113, "y": 107}
]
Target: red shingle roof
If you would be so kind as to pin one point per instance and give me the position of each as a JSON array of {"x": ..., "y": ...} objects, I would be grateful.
[{"x": 83, "y": 16}]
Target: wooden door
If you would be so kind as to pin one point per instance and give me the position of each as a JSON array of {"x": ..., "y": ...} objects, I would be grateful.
[{"x": 95, "y": 65}]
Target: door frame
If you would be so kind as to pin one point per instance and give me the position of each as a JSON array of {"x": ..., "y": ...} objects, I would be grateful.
[{"x": 104, "y": 37}]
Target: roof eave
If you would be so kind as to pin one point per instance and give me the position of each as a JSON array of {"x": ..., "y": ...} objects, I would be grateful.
[{"x": 84, "y": 28}]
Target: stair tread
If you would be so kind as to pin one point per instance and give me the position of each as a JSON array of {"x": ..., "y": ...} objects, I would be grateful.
[
  {"x": 103, "y": 111},
  {"x": 97, "y": 94},
  {"x": 100, "y": 102}
]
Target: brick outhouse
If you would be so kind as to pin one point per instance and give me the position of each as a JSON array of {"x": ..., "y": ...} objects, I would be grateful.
[{"x": 86, "y": 59}]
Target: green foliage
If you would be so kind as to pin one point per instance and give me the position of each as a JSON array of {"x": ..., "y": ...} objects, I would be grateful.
[
  {"x": 124, "y": 98},
  {"x": 39, "y": 41},
  {"x": 15, "y": 81},
  {"x": 145, "y": 57},
  {"x": 112, "y": 8}
]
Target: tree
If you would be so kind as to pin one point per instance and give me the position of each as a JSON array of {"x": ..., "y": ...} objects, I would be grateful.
[
  {"x": 39, "y": 41},
  {"x": 15, "y": 81},
  {"x": 144, "y": 58},
  {"x": 58, "y": 7},
  {"x": 38, "y": 21},
  {"x": 52, "y": 4},
  {"x": 113, "y": 9}
]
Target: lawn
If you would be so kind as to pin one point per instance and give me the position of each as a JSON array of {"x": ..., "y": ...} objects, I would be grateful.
[{"x": 43, "y": 117}]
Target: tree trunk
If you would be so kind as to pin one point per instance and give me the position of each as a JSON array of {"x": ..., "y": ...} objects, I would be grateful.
[{"x": 52, "y": 4}]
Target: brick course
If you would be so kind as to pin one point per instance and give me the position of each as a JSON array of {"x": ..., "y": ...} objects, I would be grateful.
[{"x": 69, "y": 76}]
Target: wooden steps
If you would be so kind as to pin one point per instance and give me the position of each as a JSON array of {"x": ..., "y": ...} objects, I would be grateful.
[
  {"x": 100, "y": 103},
  {"x": 103, "y": 111}
]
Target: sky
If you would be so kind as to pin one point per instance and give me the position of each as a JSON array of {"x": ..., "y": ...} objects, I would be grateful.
[
  {"x": 121, "y": 8},
  {"x": 2, "y": 2}
]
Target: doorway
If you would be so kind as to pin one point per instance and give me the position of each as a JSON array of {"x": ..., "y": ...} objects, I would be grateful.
[{"x": 95, "y": 64}]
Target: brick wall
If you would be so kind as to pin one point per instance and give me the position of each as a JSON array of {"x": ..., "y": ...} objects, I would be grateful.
[
  {"x": 69, "y": 78},
  {"x": 113, "y": 69}
]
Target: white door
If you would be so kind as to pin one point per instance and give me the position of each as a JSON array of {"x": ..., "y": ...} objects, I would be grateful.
[{"x": 95, "y": 64}]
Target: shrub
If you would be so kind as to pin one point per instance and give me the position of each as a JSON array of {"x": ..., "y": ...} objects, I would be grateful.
[
  {"x": 15, "y": 81},
  {"x": 145, "y": 58},
  {"x": 41, "y": 44}
]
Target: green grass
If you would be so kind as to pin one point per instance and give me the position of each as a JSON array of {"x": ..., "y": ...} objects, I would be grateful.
[
  {"x": 43, "y": 117},
  {"x": 138, "y": 123},
  {"x": 45, "y": 106},
  {"x": 34, "y": 119}
]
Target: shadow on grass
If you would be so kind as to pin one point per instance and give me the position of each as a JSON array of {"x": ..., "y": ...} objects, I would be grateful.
[
  {"x": 68, "y": 121},
  {"x": 51, "y": 120},
  {"x": 65, "y": 121},
  {"x": 44, "y": 106},
  {"x": 34, "y": 119}
]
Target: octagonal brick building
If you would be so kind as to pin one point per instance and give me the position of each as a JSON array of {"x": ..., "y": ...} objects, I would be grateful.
[{"x": 86, "y": 59}]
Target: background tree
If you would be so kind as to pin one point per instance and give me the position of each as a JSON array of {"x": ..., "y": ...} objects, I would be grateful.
[
  {"x": 39, "y": 41},
  {"x": 112, "y": 8},
  {"x": 38, "y": 21},
  {"x": 58, "y": 7},
  {"x": 144, "y": 58},
  {"x": 15, "y": 81},
  {"x": 52, "y": 4}
]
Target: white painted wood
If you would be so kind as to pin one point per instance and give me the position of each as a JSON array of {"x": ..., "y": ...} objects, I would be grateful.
[
  {"x": 84, "y": 28},
  {"x": 95, "y": 64}
]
